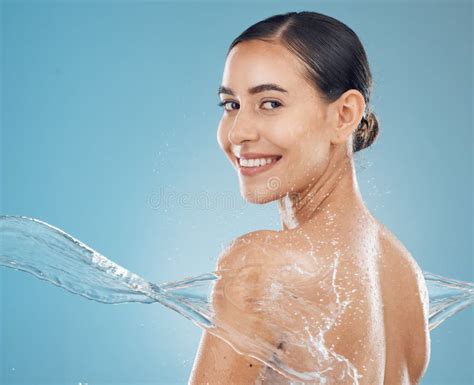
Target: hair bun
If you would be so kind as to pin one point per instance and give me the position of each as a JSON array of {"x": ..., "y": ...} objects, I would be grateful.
[{"x": 366, "y": 133}]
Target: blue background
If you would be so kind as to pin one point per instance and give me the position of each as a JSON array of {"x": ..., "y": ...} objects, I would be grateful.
[{"x": 109, "y": 118}]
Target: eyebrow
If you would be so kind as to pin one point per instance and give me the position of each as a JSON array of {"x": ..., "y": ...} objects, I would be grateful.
[{"x": 253, "y": 90}]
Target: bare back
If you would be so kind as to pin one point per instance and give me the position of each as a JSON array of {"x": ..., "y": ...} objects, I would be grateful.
[
  {"x": 382, "y": 331},
  {"x": 406, "y": 306}
]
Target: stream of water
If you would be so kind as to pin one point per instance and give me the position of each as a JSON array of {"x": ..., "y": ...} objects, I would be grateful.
[{"x": 36, "y": 247}]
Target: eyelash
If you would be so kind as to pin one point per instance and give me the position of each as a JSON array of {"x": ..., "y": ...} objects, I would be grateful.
[{"x": 222, "y": 104}]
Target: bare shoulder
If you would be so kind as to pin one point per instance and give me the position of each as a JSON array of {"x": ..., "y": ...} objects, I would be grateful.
[
  {"x": 256, "y": 247},
  {"x": 241, "y": 303},
  {"x": 233, "y": 300}
]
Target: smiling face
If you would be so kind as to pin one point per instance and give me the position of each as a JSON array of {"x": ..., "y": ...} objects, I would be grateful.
[{"x": 287, "y": 118}]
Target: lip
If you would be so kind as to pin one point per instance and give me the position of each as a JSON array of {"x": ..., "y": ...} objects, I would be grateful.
[
  {"x": 250, "y": 171},
  {"x": 255, "y": 155}
]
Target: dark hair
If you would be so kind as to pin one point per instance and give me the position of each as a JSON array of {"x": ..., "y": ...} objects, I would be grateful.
[{"x": 333, "y": 55}]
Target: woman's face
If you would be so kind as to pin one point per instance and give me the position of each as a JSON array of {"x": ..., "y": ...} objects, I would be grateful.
[{"x": 290, "y": 123}]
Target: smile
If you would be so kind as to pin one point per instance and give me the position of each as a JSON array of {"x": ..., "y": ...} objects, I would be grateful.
[{"x": 254, "y": 166}]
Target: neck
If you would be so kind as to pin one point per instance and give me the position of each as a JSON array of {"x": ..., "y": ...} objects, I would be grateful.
[{"x": 335, "y": 191}]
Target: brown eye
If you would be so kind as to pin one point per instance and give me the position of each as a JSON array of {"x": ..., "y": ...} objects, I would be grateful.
[
  {"x": 273, "y": 103},
  {"x": 226, "y": 105}
]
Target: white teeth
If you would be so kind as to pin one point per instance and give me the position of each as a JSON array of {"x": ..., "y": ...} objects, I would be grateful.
[{"x": 256, "y": 162}]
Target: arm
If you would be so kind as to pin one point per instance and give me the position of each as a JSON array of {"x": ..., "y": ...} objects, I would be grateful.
[{"x": 216, "y": 361}]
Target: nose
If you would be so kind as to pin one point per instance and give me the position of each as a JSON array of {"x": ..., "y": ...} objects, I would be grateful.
[{"x": 243, "y": 129}]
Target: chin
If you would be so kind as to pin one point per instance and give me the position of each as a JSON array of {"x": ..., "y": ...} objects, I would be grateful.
[{"x": 259, "y": 196}]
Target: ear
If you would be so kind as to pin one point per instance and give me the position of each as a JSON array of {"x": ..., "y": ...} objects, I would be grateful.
[{"x": 347, "y": 112}]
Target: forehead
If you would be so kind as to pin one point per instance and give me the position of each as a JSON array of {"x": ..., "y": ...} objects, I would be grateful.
[{"x": 256, "y": 62}]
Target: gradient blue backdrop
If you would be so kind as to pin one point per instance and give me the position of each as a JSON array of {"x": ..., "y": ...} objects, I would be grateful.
[{"x": 109, "y": 117}]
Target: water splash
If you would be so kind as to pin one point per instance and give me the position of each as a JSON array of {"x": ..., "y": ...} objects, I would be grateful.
[
  {"x": 447, "y": 297},
  {"x": 33, "y": 246}
]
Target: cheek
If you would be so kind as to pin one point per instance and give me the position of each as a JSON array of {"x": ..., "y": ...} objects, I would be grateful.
[
  {"x": 315, "y": 155},
  {"x": 307, "y": 142},
  {"x": 308, "y": 154}
]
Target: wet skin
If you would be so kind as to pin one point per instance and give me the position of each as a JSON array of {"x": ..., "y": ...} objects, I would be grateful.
[{"x": 383, "y": 331}]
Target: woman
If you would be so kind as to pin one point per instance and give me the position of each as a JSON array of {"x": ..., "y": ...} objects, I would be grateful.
[{"x": 296, "y": 91}]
